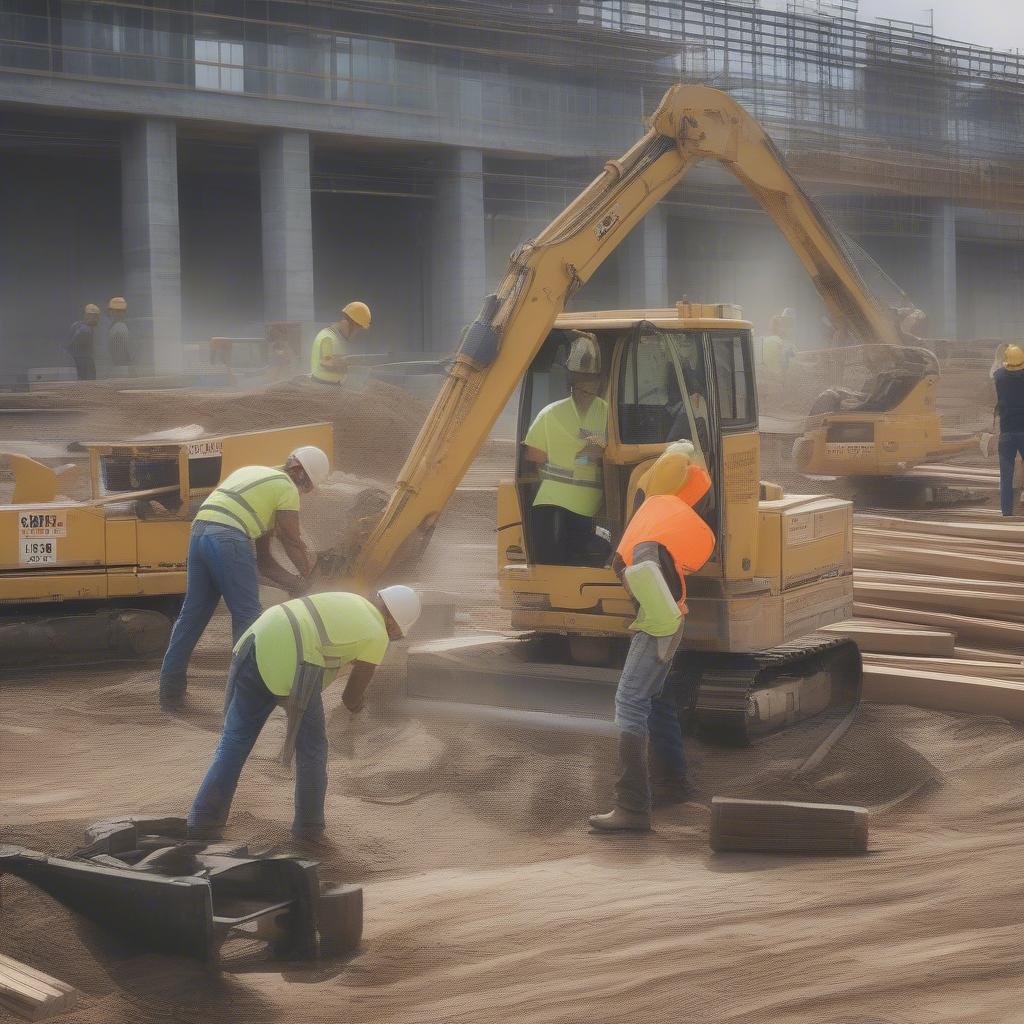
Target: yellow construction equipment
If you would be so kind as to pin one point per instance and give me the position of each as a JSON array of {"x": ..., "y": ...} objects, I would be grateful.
[
  {"x": 103, "y": 578},
  {"x": 875, "y": 433},
  {"x": 782, "y": 566}
]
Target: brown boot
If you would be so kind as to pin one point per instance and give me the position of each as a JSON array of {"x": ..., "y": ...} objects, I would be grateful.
[{"x": 632, "y": 810}]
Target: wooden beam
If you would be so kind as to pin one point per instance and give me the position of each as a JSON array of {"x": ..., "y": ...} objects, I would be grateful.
[
  {"x": 783, "y": 826},
  {"x": 944, "y": 691},
  {"x": 30, "y": 993}
]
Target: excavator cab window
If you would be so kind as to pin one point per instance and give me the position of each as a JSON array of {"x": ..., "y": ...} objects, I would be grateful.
[{"x": 737, "y": 409}]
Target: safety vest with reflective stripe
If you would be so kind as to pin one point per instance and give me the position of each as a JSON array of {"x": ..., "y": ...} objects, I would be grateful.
[
  {"x": 249, "y": 499},
  {"x": 335, "y": 347},
  {"x": 668, "y": 520},
  {"x": 324, "y": 630},
  {"x": 568, "y": 479}
]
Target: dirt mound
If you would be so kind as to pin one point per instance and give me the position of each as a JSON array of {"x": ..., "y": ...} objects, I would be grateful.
[{"x": 374, "y": 426}]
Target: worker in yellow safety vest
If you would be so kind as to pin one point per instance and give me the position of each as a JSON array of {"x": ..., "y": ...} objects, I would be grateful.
[
  {"x": 287, "y": 657},
  {"x": 663, "y": 542},
  {"x": 229, "y": 547},
  {"x": 566, "y": 441},
  {"x": 330, "y": 357}
]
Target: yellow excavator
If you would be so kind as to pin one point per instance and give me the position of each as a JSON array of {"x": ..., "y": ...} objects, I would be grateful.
[{"x": 783, "y": 565}]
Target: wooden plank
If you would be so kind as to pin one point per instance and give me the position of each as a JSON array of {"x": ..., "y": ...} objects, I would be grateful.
[
  {"x": 783, "y": 826},
  {"x": 944, "y": 691},
  {"x": 982, "y": 654},
  {"x": 889, "y": 640},
  {"x": 32, "y": 994},
  {"x": 1009, "y": 633},
  {"x": 959, "y": 666},
  {"x": 954, "y": 563},
  {"x": 985, "y": 603},
  {"x": 951, "y": 582}
]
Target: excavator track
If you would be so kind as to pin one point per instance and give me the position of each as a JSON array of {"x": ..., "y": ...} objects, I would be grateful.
[
  {"x": 738, "y": 698},
  {"x": 812, "y": 684}
]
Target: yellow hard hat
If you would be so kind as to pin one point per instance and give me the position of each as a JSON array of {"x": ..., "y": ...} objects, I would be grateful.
[
  {"x": 92, "y": 308},
  {"x": 358, "y": 313},
  {"x": 1013, "y": 357},
  {"x": 117, "y": 303},
  {"x": 669, "y": 473}
]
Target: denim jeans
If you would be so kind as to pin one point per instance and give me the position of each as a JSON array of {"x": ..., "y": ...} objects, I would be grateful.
[
  {"x": 1009, "y": 446},
  {"x": 249, "y": 704},
  {"x": 641, "y": 705},
  {"x": 221, "y": 563}
]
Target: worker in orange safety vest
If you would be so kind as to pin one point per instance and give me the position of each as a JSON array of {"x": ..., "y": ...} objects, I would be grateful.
[{"x": 664, "y": 542}]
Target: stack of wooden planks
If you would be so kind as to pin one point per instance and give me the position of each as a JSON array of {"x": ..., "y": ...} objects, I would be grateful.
[
  {"x": 30, "y": 993},
  {"x": 939, "y": 600}
]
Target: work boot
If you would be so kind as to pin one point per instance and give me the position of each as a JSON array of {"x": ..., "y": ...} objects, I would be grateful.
[
  {"x": 632, "y": 810},
  {"x": 669, "y": 781}
]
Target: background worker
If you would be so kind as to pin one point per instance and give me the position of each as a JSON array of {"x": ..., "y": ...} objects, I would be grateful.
[
  {"x": 230, "y": 546},
  {"x": 567, "y": 441},
  {"x": 1009, "y": 381},
  {"x": 82, "y": 343},
  {"x": 664, "y": 541},
  {"x": 289, "y": 655},
  {"x": 119, "y": 339},
  {"x": 777, "y": 348},
  {"x": 330, "y": 357}
]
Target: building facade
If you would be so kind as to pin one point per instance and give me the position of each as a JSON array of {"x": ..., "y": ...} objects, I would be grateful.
[{"x": 222, "y": 163}]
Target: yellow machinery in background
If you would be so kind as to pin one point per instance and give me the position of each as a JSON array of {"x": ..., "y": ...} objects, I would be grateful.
[
  {"x": 874, "y": 433},
  {"x": 103, "y": 578}
]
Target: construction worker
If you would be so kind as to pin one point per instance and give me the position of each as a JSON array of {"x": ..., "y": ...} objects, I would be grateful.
[
  {"x": 777, "y": 348},
  {"x": 1009, "y": 381},
  {"x": 288, "y": 656},
  {"x": 664, "y": 542},
  {"x": 119, "y": 339},
  {"x": 330, "y": 357},
  {"x": 229, "y": 547},
  {"x": 82, "y": 343},
  {"x": 567, "y": 441}
]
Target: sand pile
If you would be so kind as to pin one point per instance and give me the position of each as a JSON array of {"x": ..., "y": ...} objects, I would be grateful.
[{"x": 374, "y": 427}]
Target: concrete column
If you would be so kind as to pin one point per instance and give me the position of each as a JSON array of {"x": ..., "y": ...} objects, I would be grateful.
[
  {"x": 943, "y": 313},
  {"x": 149, "y": 226},
  {"x": 459, "y": 251},
  {"x": 287, "y": 227},
  {"x": 644, "y": 263}
]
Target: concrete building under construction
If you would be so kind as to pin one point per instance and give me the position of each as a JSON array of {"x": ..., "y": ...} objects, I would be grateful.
[{"x": 222, "y": 163}]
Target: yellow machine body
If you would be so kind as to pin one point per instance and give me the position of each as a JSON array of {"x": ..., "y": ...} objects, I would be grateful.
[
  {"x": 783, "y": 565},
  {"x": 129, "y": 540}
]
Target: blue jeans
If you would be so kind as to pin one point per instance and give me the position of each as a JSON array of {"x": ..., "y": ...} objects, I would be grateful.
[
  {"x": 1009, "y": 446},
  {"x": 249, "y": 703},
  {"x": 641, "y": 706},
  {"x": 221, "y": 563}
]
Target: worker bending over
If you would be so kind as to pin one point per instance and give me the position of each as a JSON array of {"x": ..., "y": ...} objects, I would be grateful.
[
  {"x": 567, "y": 441},
  {"x": 1009, "y": 381},
  {"x": 330, "y": 358},
  {"x": 229, "y": 547},
  {"x": 288, "y": 656},
  {"x": 664, "y": 542}
]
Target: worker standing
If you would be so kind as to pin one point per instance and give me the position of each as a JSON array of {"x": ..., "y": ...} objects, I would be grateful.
[
  {"x": 288, "y": 656},
  {"x": 330, "y": 356},
  {"x": 119, "y": 339},
  {"x": 567, "y": 440},
  {"x": 82, "y": 343},
  {"x": 1009, "y": 381},
  {"x": 777, "y": 348},
  {"x": 230, "y": 545},
  {"x": 664, "y": 542}
]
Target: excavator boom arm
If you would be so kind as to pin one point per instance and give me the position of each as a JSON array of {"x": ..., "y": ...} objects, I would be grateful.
[{"x": 692, "y": 123}]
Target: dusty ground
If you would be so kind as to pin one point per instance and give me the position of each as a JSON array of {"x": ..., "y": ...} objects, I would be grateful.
[{"x": 486, "y": 897}]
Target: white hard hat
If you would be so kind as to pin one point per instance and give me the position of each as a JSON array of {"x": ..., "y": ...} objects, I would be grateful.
[
  {"x": 584, "y": 354},
  {"x": 404, "y": 605},
  {"x": 314, "y": 461}
]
